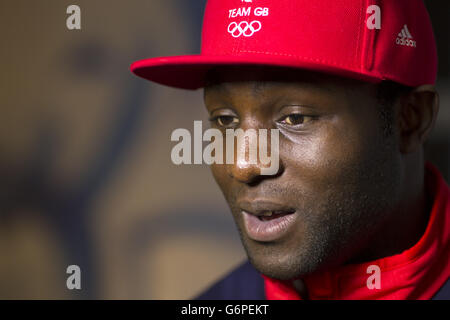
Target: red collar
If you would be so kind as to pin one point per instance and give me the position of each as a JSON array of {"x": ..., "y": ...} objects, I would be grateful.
[{"x": 416, "y": 273}]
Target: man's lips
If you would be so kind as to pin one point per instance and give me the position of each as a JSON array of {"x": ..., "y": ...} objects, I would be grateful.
[
  {"x": 266, "y": 220},
  {"x": 259, "y": 207}
]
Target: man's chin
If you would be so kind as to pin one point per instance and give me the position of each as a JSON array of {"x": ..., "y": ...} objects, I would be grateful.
[
  {"x": 274, "y": 270},
  {"x": 282, "y": 260},
  {"x": 279, "y": 265}
]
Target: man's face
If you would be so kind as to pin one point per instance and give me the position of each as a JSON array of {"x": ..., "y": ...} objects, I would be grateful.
[{"x": 339, "y": 176}]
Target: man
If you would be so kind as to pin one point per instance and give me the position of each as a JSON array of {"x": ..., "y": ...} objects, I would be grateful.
[{"x": 353, "y": 212}]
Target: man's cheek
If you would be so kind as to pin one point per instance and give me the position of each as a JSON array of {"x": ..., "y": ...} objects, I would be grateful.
[{"x": 323, "y": 161}]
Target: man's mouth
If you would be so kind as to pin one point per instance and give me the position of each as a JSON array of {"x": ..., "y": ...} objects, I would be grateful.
[
  {"x": 270, "y": 215},
  {"x": 265, "y": 220}
]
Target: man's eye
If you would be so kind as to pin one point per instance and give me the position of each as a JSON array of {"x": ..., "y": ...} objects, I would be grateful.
[
  {"x": 226, "y": 121},
  {"x": 296, "y": 119}
]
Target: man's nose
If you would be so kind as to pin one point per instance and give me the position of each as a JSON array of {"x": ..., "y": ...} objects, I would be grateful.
[
  {"x": 245, "y": 172},
  {"x": 247, "y": 167}
]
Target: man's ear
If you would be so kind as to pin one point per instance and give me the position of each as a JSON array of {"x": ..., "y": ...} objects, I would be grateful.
[{"x": 417, "y": 115}]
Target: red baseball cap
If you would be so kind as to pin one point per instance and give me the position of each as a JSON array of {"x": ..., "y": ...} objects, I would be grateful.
[{"x": 370, "y": 40}]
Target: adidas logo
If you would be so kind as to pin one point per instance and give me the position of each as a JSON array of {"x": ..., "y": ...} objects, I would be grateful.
[{"x": 405, "y": 38}]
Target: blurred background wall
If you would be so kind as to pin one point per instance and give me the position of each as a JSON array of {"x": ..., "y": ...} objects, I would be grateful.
[{"x": 85, "y": 170}]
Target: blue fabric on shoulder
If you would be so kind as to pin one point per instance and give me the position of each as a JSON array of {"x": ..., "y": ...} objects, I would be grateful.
[{"x": 243, "y": 283}]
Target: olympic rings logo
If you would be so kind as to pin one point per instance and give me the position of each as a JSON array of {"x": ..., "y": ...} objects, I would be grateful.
[{"x": 244, "y": 28}]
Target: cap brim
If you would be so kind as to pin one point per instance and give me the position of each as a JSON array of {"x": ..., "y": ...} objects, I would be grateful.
[{"x": 189, "y": 72}]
